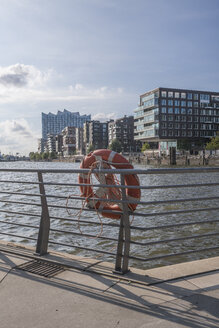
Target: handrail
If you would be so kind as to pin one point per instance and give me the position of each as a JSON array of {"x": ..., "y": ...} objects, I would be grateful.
[{"x": 51, "y": 202}]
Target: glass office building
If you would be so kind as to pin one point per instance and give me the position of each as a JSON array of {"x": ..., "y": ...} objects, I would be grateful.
[
  {"x": 55, "y": 123},
  {"x": 167, "y": 114}
]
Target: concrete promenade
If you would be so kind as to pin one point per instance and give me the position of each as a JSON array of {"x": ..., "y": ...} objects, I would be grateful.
[{"x": 88, "y": 294}]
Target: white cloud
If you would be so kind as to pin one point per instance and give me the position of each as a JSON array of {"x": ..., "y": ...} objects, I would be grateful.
[
  {"x": 104, "y": 116},
  {"x": 16, "y": 136},
  {"x": 25, "y": 83},
  {"x": 20, "y": 75}
]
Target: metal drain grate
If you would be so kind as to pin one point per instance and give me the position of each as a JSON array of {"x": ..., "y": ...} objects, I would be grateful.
[{"x": 41, "y": 268}]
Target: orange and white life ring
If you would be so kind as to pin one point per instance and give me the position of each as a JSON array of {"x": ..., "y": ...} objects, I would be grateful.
[{"x": 105, "y": 158}]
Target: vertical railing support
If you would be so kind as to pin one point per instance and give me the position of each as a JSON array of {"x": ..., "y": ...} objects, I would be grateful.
[
  {"x": 123, "y": 247},
  {"x": 43, "y": 235}
]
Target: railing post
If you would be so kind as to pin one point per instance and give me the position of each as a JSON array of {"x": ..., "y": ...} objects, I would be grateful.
[
  {"x": 43, "y": 235},
  {"x": 124, "y": 235}
]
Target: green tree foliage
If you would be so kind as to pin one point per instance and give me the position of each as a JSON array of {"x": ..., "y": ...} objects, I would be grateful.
[
  {"x": 90, "y": 149},
  {"x": 116, "y": 145},
  {"x": 145, "y": 146},
  {"x": 32, "y": 156},
  {"x": 52, "y": 155},
  {"x": 45, "y": 156},
  {"x": 213, "y": 144}
]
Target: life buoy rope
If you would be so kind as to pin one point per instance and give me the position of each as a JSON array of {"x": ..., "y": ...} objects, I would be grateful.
[{"x": 105, "y": 158}]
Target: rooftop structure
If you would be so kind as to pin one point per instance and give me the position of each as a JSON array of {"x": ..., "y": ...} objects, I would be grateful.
[{"x": 55, "y": 123}]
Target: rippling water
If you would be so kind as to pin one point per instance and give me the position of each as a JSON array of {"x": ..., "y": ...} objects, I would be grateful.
[{"x": 142, "y": 236}]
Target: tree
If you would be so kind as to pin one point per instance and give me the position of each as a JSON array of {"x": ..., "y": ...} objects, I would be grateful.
[
  {"x": 145, "y": 146},
  {"x": 213, "y": 144},
  {"x": 116, "y": 145},
  {"x": 32, "y": 156},
  {"x": 52, "y": 155},
  {"x": 90, "y": 148},
  {"x": 38, "y": 156},
  {"x": 45, "y": 155}
]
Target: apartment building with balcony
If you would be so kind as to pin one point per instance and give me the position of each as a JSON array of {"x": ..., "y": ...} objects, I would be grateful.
[
  {"x": 96, "y": 134},
  {"x": 165, "y": 115},
  {"x": 69, "y": 141},
  {"x": 123, "y": 130}
]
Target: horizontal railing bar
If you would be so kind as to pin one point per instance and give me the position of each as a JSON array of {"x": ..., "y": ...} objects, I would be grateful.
[
  {"x": 19, "y": 224},
  {"x": 179, "y": 200},
  {"x": 85, "y": 221},
  {"x": 117, "y": 200},
  {"x": 117, "y": 212},
  {"x": 18, "y": 236},
  {"x": 172, "y": 255},
  {"x": 176, "y": 212},
  {"x": 17, "y": 202},
  {"x": 19, "y": 193},
  {"x": 18, "y": 181},
  {"x": 116, "y": 186},
  {"x": 83, "y": 234},
  {"x": 84, "y": 209},
  {"x": 20, "y": 213},
  {"x": 80, "y": 247},
  {"x": 175, "y": 239},
  {"x": 174, "y": 225},
  {"x": 119, "y": 171}
]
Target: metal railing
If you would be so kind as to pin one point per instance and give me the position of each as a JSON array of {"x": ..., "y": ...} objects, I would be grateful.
[{"x": 158, "y": 223}]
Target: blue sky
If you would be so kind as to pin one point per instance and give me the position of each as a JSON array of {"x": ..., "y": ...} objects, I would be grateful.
[{"x": 97, "y": 57}]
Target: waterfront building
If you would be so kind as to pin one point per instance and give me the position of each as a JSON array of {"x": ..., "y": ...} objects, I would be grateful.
[
  {"x": 51, "y": 143},
  {"x": 59, "y": 143},
  {"x": 55, "y": 123},
  {"x": 165, "y": 115},
  {"x": 80, "y": 141},
  {"x": 41, "y": 145},
  {"x": 123, "y": 130},
  {"x": 69, "y": 141},
  {"x": 96, "y": 134}
]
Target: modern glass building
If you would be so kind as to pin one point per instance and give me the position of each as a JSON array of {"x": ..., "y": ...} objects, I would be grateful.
[
  {"x": 167, "y": 114},
  {"x": 55, "y": 123}
]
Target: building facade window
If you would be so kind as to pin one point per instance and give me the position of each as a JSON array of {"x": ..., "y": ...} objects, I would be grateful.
[
  {"x": 170, "y": 110},
  {"x": 163, "y": 94},
  {"x": 189, "y": 110},
  {"x": 183, "y": 110},
  {"x": 176, "y": 94},
  {"x": 170, "y": 94},
  {"x": 183, "y": 95},
  {"x": 163, "y": 110},
  {"x": 176, "y": 110},
  {"x": 189, "y": 95}
]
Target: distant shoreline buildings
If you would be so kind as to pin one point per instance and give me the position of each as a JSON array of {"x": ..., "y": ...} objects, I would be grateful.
[
  {"x": 67, "y": 133},
  {"x": 164, "y": 118}
]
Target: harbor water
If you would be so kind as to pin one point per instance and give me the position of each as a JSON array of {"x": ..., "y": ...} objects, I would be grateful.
[{"x": 142, "y": 236}]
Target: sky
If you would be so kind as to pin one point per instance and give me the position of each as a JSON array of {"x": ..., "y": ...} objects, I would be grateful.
[{"x": 97, "y": 57}]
